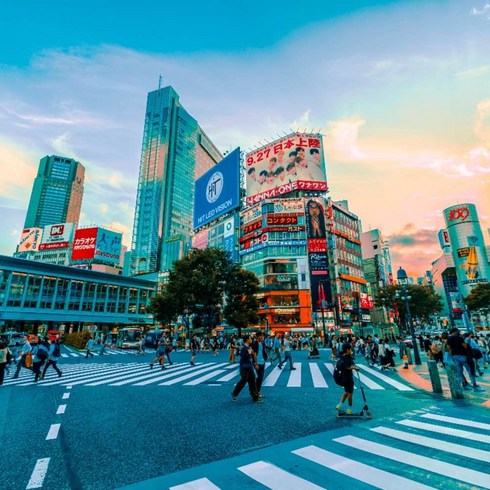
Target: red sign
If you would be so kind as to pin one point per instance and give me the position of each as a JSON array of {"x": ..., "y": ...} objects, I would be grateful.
[
  {"x": 459, "y": 213},
  {"x": 317, "y": 245},
  {"x": 282, "y": 219},
  {"x": 366, "y": 302},
  {"x": 52, "y": 245},
  {"x": 289, "y": 229},
  {"x": 255, "y": 225},
  {"x": 84, "y": 244}
]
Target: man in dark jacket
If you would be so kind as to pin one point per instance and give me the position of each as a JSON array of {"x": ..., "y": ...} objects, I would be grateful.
[
  {"x": 247, "y": 372},
  {"x": 260, "y": 354}
]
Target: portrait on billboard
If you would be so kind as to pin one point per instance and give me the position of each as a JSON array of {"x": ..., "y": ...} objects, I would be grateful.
[{"x": 292, "y": 163}]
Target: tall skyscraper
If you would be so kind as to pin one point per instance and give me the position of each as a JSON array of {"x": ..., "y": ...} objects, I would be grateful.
[
  {"x": 175, "y": 152},
  {"x": 57, "y": 192}
]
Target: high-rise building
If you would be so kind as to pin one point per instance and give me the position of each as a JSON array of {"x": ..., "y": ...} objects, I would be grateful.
[
  {"x": 175, "y": 152},
  {"x": 57, "y": 192}
]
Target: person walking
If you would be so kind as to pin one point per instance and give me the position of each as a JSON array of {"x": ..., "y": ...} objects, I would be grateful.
[
  {"x": 4, "y": 358},
  {"x": 160, "y": 354},
  {"x": 459, "y": 351},
  {"x": 90, "y": 347},
  {"x": 247, "y": 372},
  {"x": 54, "y": 356},
  {"x": 277, "y": 347},
  {"x": 194, "y": 349},
  {"x": 260, "y": 354},
  {"x": 25, "y": 357},
  {"x": 232, "y": 349},
  {"x": 288, "y": 357},
  {"x": 40, "y": 356},
  {"x": 168, "y": 350},
  {"x": 347, "y": 379}
]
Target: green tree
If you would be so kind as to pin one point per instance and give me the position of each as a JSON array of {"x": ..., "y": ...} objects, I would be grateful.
[
  {"x": 424, "y": 302},
  {"x": 241, "y": 301},
  {"x": 479, "y": 298}
]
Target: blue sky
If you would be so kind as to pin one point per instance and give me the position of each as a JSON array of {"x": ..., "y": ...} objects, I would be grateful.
[{"x": 401, "y": 91}]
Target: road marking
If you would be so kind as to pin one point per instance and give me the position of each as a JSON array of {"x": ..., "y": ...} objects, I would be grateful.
[
  {"x": 453, "y": 420},
  {"x": 108, "y": 375},
  {"x": 369, "y": 382},
  {"x": 461, "y": 473},
  {"x": 53, "y": 432},
  {"x": 64, "y": 355},
  {"x": 271, "y": 380},
  {"x": 65, "y": 396},
  {"x": 316, "y": 376},
  {"x": 360, "y": 471},
  {"x": 274, "y": 477},
  {"x": 295, "y": 378},
  {"x": 61, "y": 410},
  {"x": 449, "y": 447},
  {"x": 230, "y": 376},
  {"x": 83, "y": 377},
  {"x": 171, "y": 374},
  {"x": 190, "y": 375},
  {"x": 204, "y": 378},
  {"x": 464, "y": 434},
  {"x": 38, "y": 473},
  {"x": 386, "y": 379},
  {"x": 74, "y": 355},
  {"x": 201, "y": 484},
  {"x": 69, "y": 387}
]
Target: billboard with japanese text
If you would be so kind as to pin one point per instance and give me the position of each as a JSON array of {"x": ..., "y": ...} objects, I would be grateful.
[
  {"x": 217, "y": 192},
  {"x": 292, "y": 163},
  {"x": 108, "y": 246},
  {"x": 57, "y": 236},
  {"x": 30, "y": 239},
  {"x": 84, "y": 244}
]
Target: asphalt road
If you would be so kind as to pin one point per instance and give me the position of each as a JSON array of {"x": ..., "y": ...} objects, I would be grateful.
[{"x": 112, "y": 436}]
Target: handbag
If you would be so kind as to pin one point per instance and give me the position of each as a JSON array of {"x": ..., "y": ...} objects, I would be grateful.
[
  {"x": 28, "y": 360},
  {"x": 476, "y": 353}
]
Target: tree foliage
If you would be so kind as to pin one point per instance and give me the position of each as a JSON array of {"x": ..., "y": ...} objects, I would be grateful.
[
  {"x": 479, "y": 298},
  {"x": 423, "y": 301},
  {"x": 199, "y": 283}
]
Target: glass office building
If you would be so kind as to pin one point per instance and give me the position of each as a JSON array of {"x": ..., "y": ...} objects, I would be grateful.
[
  {"x": 175, "y": 152},
  {"x": 57, "y": 192}
]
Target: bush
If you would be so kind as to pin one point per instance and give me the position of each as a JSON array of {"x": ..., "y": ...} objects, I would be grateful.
[{"x": 77, "y": 339}]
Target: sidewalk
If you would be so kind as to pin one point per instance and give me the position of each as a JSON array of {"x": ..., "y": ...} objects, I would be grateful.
[{"x": 419, "y": 377}]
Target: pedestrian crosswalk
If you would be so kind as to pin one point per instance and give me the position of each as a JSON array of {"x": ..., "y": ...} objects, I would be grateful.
[
  {"x": 389, "y": 454},
  {"x": 306, "y": 375},
  {"x": 68, "y": 352}
]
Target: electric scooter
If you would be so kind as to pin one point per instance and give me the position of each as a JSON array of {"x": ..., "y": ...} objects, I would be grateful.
[{"x": 365, "y": 413}]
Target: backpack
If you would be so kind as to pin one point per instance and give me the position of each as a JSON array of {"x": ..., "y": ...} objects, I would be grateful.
[
  {"x": 56, "y": 350},
  {"x": 42, "y": 353},
  {"x": 338, "y": 372}
]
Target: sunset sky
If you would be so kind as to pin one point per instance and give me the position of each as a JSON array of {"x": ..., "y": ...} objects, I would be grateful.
[{"x": 400, "y": 89}]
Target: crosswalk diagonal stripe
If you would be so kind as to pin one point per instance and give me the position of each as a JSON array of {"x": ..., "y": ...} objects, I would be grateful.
[
  {"x": 294, "y": 380},
  {"x": 450, "y": 431},
  {"x": 134, "y": 374},
  {"x": 369, "y": 382},
  {"x": 272, "y": 378},
  {"x": 201, "y": 484},
  {"x": 454, "y": 420},
  {"x": 229, "y": 376},
  {"x": 104, "y": 375},
  {"x": 448, "y": 447},
  {"x": 386, "y": 379},
  {"x": 276, "y": 478},
  {"x": 64, "y": 355},
  {"x": 170, "y": 374},
  {"x": 316, "y": 376},
  {"x": 151, "y": 377},
  {"x": 207, "y": 376},
  {"x": 360, "y": 471},
  {"x": 28, "y": 380},
  {"x": 84, "y": 376},
  {"x": 190, "y": 375},
  {"x": 450, "y": 470}
]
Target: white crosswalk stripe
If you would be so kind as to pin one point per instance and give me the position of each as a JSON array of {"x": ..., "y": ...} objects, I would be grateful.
[
  {"x": 378, "y": 455},
  {"x": 91, "y": 373}
]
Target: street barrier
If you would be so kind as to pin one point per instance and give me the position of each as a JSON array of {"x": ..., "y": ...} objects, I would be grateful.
[
  {"x": 435, "y": 379},
  {"x": 454, "y": 382}
]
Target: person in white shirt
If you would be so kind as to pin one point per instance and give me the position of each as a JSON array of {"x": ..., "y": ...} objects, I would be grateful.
[{"x": 287, "y": 353}]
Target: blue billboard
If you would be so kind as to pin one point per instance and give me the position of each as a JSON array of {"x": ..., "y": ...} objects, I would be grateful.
[
  {"x": 108, "y": 246},
  {"x": 217, "y": 192}
]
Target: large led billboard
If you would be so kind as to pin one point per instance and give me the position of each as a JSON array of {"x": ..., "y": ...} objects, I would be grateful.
[
  {"x": 108, "y": 246},
  {"x": 468, "y": 247},
  {"x": 57, "y": 236},
  {"x": 30, "y": 239},
  {"x": 292, "y": 163},
  {"x": 217, "y": 192},
  {"x": 84, "y": 244}
]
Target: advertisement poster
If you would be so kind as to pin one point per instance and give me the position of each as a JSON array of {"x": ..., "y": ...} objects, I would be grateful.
[
  {"x": 217, "y": 192},
  {"x": 108, "y": 246},
  {"x": 84, "y": 244},
  {"x": 295, "y": 162},
  {"x": 30, "y": 239},
  {"x": 57, "y": 236}
]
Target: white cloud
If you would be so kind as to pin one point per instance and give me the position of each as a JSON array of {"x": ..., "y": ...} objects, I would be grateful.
[
  {"x": 343, "y": 136},
  {"x": 484, "y": 11},
  {"x": 482, "y": 120}
]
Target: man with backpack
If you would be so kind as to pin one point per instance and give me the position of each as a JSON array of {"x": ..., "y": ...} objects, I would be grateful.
[
  {"x": 41, "y": 354},
  {"x": 25, "y": 357},
  {"x": 343, "y": 375},
  {"x": 54, "y": 355}
]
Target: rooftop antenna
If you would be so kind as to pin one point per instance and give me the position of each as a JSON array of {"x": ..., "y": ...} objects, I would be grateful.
[{"x": 160, "y": 81}]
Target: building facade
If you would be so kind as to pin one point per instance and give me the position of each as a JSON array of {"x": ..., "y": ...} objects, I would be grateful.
[
  {"x": 34, "y": 293},
  {"x": 175, "y": 151},
  {"x": 57, "y": 192}
]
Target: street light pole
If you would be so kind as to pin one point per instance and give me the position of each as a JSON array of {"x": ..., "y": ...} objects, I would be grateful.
[{"x": 402, "y": 281}]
